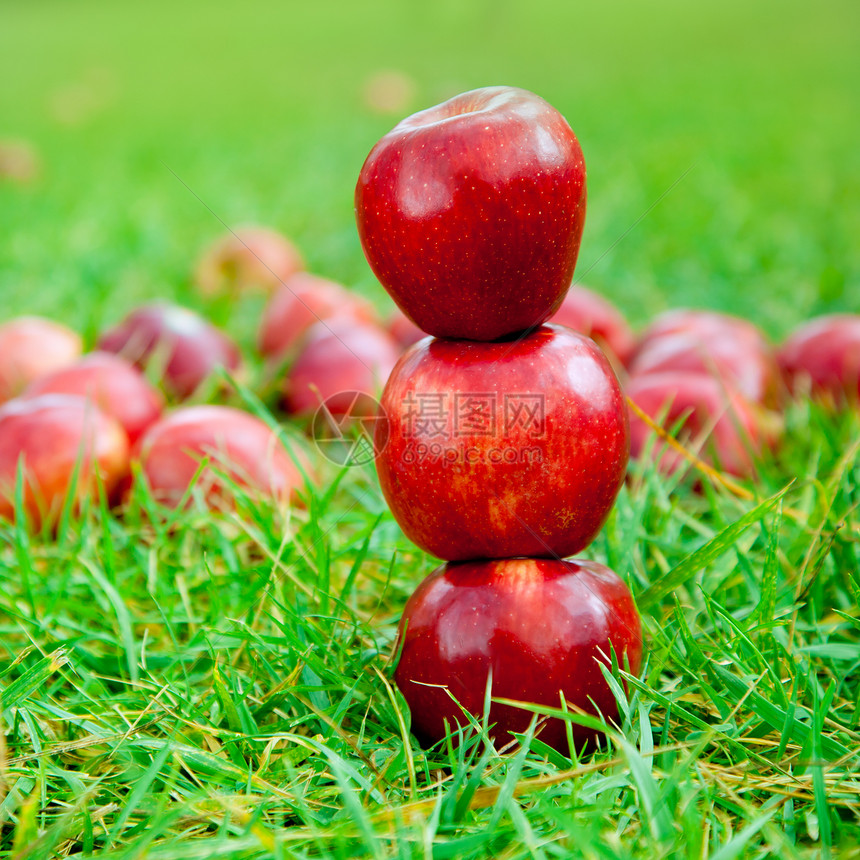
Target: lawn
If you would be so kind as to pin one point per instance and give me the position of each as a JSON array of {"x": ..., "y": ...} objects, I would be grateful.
[{"x": 221, "y": 686}]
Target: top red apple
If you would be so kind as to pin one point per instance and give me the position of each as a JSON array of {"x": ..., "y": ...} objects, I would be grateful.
[{"x": 470, "y": 213}]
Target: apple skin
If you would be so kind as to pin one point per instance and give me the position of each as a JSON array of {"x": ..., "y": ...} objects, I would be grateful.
[
  {"x": 117, "y": 387},
  {"x": 301, "y": 302},
  {"x": 737, "y": 429},
  {"x": 470, "y": 213},
  {"x": 822, "y": 358},
  {"x": 339, "y": 356},
  {"x": 247, "y": 258},
  {"x": 541, "y": 626},
  {"x": 31, "y": 347},
  {"x": 237, "y": 444},
  {"x": 53, "y": 435},
  {"x": 592, "y": 315},
  {"x": 732, "y": 349},
  {"x": 552, "y": 486},
  {"x": 184, "y": 347}
]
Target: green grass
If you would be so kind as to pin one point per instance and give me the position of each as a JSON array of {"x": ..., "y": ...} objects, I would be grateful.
[{"x": 220, "y": 686}]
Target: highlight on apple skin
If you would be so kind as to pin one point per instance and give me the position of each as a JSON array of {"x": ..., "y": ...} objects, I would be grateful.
[
  {"x": 31, "y": 347},
  {"x": 536, "y": 629},
  {"x": 177, "y": 344},
  {"x": 61, "y": 442},
  {"x": 503, "y": 449},
  {"x": 237, "y": 447},
  {"x": 470, "y": 213},
  {"x": 113, "y": 384}
]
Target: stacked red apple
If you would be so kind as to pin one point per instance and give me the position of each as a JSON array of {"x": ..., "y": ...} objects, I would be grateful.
[{"x": 507, "y": 440}]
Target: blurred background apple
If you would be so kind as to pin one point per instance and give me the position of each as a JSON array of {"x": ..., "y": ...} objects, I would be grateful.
[
  {"x": 31, "y": 347},
  {"x": 63, "y": 444},
  {"x": 174, "y": 344},
  {"x": 113, "y": 384},
  {"x": 338, "y": 358},
  {"x": 218, "y": 446},
  {"x": 299, "y": 303},
  {"x": 247, "y": 258}
]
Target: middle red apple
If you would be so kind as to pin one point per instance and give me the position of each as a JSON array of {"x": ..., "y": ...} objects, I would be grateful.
[
  {"x": 503, "y": 449},
  {"x": 470, "y": 213}
]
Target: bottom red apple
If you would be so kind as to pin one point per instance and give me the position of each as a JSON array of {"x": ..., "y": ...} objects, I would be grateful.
[{"x": 537, "y": 628}]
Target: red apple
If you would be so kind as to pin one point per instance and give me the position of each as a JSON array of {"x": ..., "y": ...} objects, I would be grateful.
[
  {"x": 707, "y": 324},
  {"x": 247, "y": 258},
  {"x": 31, "y": 347},
  {"x": 732, "y": 349},
  {"x": 822, "y": 357},
  {"x": 537, "y": 628},
  {"x": 720, "y": 425},
  {"x": 470, "y": 213},
  {"x": 299, "y": 303},
  {"x": 184, "y": 348},
  {"x": 503, "y": 449},
  {"x": 707, "y": 327},
  {"x": 403, "y": 330},
  {"x": 338, "y": 358},
  {"x": 592, "y": 315},
  {"x": 118, "y": 388},
  {"x": 55, "y": 439},
  {"x": 749, "y": 368},
  {"x": 238, "y": 445}
]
